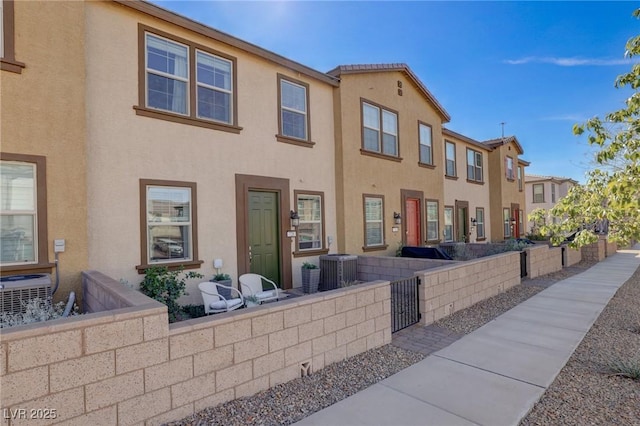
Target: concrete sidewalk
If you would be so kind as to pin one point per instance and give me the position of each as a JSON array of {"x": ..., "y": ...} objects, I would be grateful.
[{"x": 496, "y": 374}]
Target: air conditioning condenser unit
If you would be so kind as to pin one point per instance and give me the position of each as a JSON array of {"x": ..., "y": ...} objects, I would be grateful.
[{"x": 16, "y": 290}]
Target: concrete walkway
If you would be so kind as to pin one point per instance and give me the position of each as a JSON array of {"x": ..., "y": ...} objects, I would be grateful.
[{"x": 496, "y": 374}]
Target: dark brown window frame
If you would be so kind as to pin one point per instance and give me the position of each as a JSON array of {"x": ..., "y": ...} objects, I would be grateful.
[
  {"x": 379, "y": 154},
  {"x": 455, "y": 160},
  {"x": 43, "y": 264},
  {"x": 8, "y": 60},
  {"x": 469, "y": 179},
  {"x": 384, "y": 244},
  {"x": 192, "y": 118},
  {"x": 312, "y": 252},
  {"x": 420, "y": 162},
  {"x": 280, "y": 137},
  {"x": 172, "y": 265},
  {"x": 533, "y": 193}
]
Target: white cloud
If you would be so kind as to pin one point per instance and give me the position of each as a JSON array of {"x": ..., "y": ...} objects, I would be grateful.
[{"x": 568, "y": 62}]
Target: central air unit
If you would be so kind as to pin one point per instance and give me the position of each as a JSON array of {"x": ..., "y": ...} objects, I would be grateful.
[
  {"x": 336, "y": 269},
  {"x": 16, "y": 289}
]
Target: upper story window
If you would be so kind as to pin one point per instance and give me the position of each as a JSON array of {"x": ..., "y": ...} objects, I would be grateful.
[
  {"x": 7, "y": 46},
  {"x": 310, "y": 233},
  {"x": 23, "y": 212},
  {"x": 373, "y": 221},
  {"x": 293, "y": 104},
  {"x": 508, "y": 167},
  {"x": 450, "y": 158},
  {"x": 432, "y": 220},
  {"x": 553, "y": 192},
  {"x": 379, "y": 130},
  {"x": 474, "y": 165},
  {"x": 538, "y": 193},
  {"x": 426, "y": 144},
  {"x": 186, "y": 83},
  {"x": 169, "y": 227},
  {"x": 519, "y": 178}
]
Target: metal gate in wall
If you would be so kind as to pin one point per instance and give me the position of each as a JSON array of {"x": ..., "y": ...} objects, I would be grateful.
[
  {"x": 405, "y": 308},
  {"x": 523, "y": 264}
]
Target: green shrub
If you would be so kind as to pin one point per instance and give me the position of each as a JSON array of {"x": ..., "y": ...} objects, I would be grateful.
[
  {"x": 307, "y": 265},
  {"x": 626, "y": 368},
  {"x": 166, "y": 287}
]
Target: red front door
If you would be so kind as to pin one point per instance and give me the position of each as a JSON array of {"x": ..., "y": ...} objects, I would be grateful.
[{"x": 412, "y": 212}]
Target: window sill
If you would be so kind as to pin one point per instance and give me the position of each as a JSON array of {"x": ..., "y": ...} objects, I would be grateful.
[
  {"x": 481, "y": 239},
  {"x": 11, "y": 65},
  {"x": 475, "y": 182},
  {"x": 31, "y": 268},
  {"x": 427, "y": 165},
  {"x": 172, "y": 266},
  {"x": 175, "y": 118},
  {"x": 432, "y": 242},
  {"x": 294, "y": 141},
  {"x": 374, "y": 248},
  {"x": 451, "y": 177},
  {"x": 379, "y": 155},
  {"x": 511, "y": 179},
  {"x": 310, "y": 252}
]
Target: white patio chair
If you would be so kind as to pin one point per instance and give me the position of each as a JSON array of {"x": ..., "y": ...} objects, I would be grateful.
[
  {"x": 214, "y": 303},
  {"x": 257, "y": 285}
]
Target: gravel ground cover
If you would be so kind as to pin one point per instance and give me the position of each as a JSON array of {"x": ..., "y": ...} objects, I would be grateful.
[
  {"x": 566, "y": 402},
  {"x": 588, "y": 391}
]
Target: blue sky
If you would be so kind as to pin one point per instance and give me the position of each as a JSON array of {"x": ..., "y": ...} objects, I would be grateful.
[{"x": 540, "y": 67}]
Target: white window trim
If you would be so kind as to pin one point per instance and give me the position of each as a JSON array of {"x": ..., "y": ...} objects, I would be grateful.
[
  {"x": 215, "y": 88},
  {"x": 447, "y": 159},
  {"x": 380, "y": 221},
  {"x": 163, "y": 74},
  {"x": 320, "y": 196},
  {"x": 428, "y": 144},
  {"x": 285, "y": 108},
  {"x": 381, "y": 129}
]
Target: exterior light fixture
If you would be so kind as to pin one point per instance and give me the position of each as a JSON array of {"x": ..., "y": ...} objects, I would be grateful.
[
  {"x": 397, "y": 219},
  {"x": 295, "y": 219},
  {"x": 473, "y": 221}
]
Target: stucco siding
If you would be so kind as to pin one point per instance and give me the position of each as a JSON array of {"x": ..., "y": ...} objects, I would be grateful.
[{"x": 125, "y": 147}]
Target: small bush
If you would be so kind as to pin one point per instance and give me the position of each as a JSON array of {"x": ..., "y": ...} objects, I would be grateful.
[
  {"x": 166, "y": 287},
  {"x": 193, "y": 311},
  {"x": 626, "y": 368},
  {"x": 36, "y": 310}
]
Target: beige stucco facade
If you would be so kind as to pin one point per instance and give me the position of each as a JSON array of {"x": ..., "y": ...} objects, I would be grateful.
[
  {"x": 467, "y": 191},
  {"x": 553, "y": 189},
  {"x": 361, "y": 173},
  {"x": 507, "y": 192},
  {"x": 125, "y": 147},
  {"x": 43, "y": 115}
]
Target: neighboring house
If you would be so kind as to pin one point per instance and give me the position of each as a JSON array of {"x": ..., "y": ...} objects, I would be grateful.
[
  {"x": 42, "y": 140},
  {"x": 201, "y": 145},
  {"x": 506, "y": 187},
  {"x": 389, "y": 159},
  {"x": 543, "y": 192},
  {"x": 467, "y": 209}
]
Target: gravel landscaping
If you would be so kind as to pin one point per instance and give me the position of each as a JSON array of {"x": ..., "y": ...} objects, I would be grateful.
[{"x": 585, "y": 392}]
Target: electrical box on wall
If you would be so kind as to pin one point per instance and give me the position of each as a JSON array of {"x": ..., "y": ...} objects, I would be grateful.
[{"x": 58, "y": 246}]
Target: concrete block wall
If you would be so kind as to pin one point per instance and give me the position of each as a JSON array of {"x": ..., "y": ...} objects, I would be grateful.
[
  {"x": 372, "y": 268},
  {"x": 572, "y": 256},
  {"x": 543, "y": 260},
  {"x": 451, "y": 288},
  {"x": 102, "y": 293},
  {"x": 129, "y": 366},
  {"x": 594, "y": 252}
]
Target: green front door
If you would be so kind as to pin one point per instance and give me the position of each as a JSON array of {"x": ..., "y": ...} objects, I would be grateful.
[{"x": 264, "y": 241}]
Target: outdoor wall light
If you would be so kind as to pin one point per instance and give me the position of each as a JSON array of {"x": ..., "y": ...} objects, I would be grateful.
[
  {"x": 397, "y": 219},
  {"x": 473, "y": 221},
  {"x": 295, "y": 219}
]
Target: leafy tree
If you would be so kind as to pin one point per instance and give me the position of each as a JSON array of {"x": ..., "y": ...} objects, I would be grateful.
[{"x": 611, "y": 195}]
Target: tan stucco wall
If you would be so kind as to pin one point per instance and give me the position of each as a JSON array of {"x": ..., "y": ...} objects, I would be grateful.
[
  {"x": 561, "y": 191},
  {"x": 42, "y": 113},
  {"x": 477, "y": 195},
  {"x": 503, "y": 191},
  {"x": 125, "y": 147},
  {"x": 359, "y": 174}
]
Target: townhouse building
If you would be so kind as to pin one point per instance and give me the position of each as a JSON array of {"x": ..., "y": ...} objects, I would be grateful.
[
  {"x": 140, "y": 137},
  {"x": 543, "y": 192},
  {"x": 506, "y": 188},
  {"x": 467, "y": 206},
  {"x": 389, "y": 159}
]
